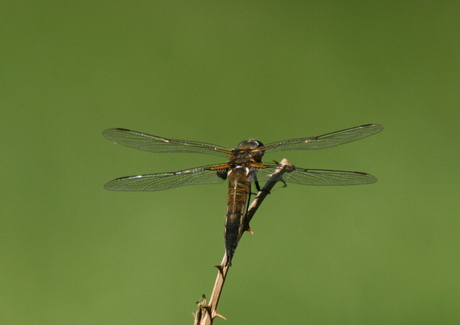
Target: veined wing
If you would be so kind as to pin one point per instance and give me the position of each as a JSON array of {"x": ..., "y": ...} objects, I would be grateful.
[
  {"x": 165, "y": 181},
  {"x": 318, "y": 177},
  {"x": 326, "y": 140},
  {"x": 153, "y": 143}
]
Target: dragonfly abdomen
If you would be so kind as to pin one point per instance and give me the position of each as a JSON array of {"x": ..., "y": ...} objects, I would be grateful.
[{"x": 238, "y": 192}]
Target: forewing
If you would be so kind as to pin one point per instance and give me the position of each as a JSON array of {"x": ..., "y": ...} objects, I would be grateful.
[
  {"x": 153, "y": 143},
  {"x": 319, "y": 177},
  {"x": 165, "y": 181},
  {"x": 326, "y": 140}
]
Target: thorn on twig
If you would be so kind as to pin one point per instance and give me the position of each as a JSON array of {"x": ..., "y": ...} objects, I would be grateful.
[
  {"x": 219, "y": 315},
  {"x": 220, "y": 267}
]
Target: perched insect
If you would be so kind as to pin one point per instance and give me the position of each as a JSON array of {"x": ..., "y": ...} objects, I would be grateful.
[{"x": 243, "y": 166}]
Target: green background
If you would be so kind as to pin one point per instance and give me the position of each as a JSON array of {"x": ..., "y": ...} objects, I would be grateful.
[{"x": 222, "y": 72}]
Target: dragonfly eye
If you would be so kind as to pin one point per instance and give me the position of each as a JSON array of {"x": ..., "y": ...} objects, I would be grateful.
[
  {"x": 258, "y": 143},
  {"x": 251, "y": 143}
]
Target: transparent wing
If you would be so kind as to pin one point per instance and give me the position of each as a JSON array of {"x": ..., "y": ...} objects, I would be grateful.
[
  {"x": 318, "y": 177},
  {"x": 326, "y": 140},
  {"x": 153, "y": 143},
  {"x": 165, "y": 181}
]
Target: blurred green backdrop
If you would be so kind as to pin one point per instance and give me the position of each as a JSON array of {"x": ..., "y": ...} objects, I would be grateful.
[{"x": 221, "y": 72}]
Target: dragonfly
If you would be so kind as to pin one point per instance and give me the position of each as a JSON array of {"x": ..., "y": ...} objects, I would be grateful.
[{"x": 243, "y": 167}]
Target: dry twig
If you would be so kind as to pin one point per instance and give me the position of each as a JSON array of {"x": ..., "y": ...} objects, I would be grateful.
[{"x": 207, "y": 317}]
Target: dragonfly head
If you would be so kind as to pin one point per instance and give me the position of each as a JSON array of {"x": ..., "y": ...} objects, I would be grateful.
[{"x": 251, "y": 145}]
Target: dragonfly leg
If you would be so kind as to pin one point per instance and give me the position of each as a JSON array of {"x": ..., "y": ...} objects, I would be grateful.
[
  {"x": 246, "y": 222},
  {"x": 256, "y": 182}
]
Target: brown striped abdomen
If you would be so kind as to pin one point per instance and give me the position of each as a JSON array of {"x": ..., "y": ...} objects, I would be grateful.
[{"x": 238, "y": 191}]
